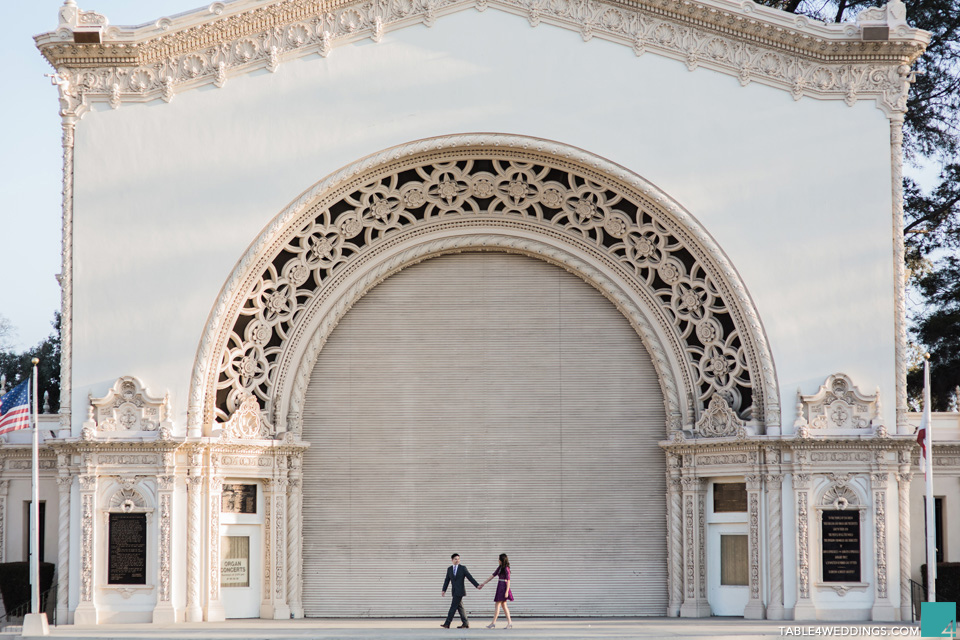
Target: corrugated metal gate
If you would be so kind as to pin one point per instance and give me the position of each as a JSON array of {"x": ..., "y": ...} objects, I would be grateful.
[{"x": 484, "y": 403}]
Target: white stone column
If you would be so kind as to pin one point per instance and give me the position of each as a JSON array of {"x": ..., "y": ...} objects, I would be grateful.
[
  {"x": 194, "y": 612},
  {"x": 754, "y": 609},
  {"x": 882, "y": 607},
  {"x": 774, "y": 482},
  {"x": 804, "y": 609},
  {"x": 4, "y": 484},
  {"x": 695, "y": 603},
  {"x": 903, "y": 480},
  {"x": 164, "y": 612},
  {"x": 281, "y": 608},
  {"x": 674, "y": 535},
  {"x": 65, "y": 485},
  {"x": 295, "y": 538},
  {"x": 266, "y": 598},
  {"x": 215, "y": 611},
  {"x": 86, "y": 612},
  {"x": 65, "y": 278},
  {"x": 899, "y": 268}
]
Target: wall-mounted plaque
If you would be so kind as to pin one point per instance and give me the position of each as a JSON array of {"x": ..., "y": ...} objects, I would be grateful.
[
  {"x": 239, "y": 498},
  {"x": 127, "y": 549},
  {"x": 730, "y": 497},
  {"x": 235, "y": 561},
  {"x": 841, "y": 546}
]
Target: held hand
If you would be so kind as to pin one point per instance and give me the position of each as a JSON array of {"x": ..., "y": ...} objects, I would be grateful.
[{"x": 443, "y": 593}]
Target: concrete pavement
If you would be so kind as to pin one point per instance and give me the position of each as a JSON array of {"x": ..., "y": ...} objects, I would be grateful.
[{"x": 524, "y": 628}]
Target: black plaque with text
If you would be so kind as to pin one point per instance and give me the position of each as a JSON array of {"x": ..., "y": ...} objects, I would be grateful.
[
  {"x": 841, "y": 546},
  {"x": 239, "y": 498},
  {"x": 127, "y": 549}
]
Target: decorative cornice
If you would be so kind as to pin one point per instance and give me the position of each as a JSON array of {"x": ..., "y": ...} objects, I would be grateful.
[{"x": 750, "y": 42}]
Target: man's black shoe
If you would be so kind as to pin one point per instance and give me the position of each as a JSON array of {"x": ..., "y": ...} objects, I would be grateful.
[
  {"x": 464, "y": 626},
  {"x": 445, "y": 626}
]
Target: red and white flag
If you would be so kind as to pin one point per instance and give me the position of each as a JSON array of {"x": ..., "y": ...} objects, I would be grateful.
[
  {"x": 15, "y": 408},
  {"x": 923, "y": 433}
]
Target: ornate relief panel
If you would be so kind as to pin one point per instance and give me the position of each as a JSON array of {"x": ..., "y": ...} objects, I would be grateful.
[
  {"x": 127, "y": 409},
  {"x": 838, "y": 407},
  {"x": 749, "y": 42},
  {"x": 674, "y": 285}
]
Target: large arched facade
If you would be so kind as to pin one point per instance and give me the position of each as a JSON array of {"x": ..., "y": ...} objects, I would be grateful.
[
  {"x": 487, "y": 193},
  {"x": 484, "y": 192}
]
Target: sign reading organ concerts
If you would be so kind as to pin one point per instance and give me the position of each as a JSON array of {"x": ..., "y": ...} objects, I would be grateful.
[
  {"x": 841, "y": 546},
  {"x": 235, "y": 565}
]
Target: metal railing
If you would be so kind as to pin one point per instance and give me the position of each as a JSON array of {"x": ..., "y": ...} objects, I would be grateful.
[
  {"x": 918, "y": 594},
  {"x": 48, "y": 604}
]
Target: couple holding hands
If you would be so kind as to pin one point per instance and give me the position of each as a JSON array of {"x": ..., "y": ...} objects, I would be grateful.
[{"x": 456, "y": 573}]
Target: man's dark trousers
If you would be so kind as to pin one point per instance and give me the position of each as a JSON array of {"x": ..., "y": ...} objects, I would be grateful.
[{"x": 456, "y": 604}]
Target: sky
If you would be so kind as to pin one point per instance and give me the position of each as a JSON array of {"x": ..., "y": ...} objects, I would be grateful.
[{"x": 31, "y": 161}]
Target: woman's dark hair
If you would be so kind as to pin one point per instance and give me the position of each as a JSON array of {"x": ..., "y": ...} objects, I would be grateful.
[{"x": 504, "y": 563}]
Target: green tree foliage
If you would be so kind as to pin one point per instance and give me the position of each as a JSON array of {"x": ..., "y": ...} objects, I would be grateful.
[
  {"x": 931, "y": 218},
  {"x": 17, "y": 366}
]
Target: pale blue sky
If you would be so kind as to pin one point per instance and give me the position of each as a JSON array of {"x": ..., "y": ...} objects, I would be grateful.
[{"x": 30, "y": 160}]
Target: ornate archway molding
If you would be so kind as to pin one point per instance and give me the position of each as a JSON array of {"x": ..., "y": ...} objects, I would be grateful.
[{"x": 345, "y": 234}]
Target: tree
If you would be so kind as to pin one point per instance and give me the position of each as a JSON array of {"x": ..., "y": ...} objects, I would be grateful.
[
  {"x": 17, "y": 366},
  {"x": 932, "y": 218}
]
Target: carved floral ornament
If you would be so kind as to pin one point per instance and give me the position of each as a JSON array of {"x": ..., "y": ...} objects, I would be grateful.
[
  {"x": 838, "y": 406},
  {"x": 482, "y": 192},
  {"x": 127, "y": 409},
  {"x": 750, "y": 42}
]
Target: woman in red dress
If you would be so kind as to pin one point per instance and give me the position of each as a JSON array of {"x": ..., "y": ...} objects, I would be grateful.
[{"x": 503, "y": 591}]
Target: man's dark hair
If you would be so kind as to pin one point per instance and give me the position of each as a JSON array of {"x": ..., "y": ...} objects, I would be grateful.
[{"x": 454, "y": 555}]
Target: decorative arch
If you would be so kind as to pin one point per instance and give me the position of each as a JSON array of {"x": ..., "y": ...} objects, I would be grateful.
[{"x": 482, "y": 192}]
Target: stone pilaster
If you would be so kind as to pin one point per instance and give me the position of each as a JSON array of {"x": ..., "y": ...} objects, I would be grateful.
[
  {"x": 295, "y": 538},
  {"x": 754, "y": 609},
  {"x": 69, "y": 125},
  {"x": 281, "y": 608},
  {"x": 215, "y": 611},
  {"x": 903, "y": 504},
  {"x": 194, "y": 612},
  {"x": 674, "y": 535},
  {"x": 899, "y": 271},
  {"x": 4, "y": 484},
  {"x": 164, "y": 612},
  {"x": 804, "y": 609},
  {"x": 774, "y": 482},
  {"x": 86, "y": 612},
  {"x": 695, "y": 603},
  {"x": 882, "y": 607},
  {"x": 64, "y": 485}
]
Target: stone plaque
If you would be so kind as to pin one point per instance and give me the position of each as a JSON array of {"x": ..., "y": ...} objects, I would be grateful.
[
  {"x": 841, "y": 546},
  {"x": 127, "y": 549},
  {"x": 239, "y": 498}
]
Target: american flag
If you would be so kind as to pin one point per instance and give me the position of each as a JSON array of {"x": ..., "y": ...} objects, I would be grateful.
[{"x": 15, "y": 408}]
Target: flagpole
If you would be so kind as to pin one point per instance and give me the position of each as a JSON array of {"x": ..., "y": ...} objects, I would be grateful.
[
  {"x": 35, "y": 504},
  {"x": 928, "y": 474}
]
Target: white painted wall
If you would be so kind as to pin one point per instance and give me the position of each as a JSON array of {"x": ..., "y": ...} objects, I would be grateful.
[{"x": 168, "y": 196}]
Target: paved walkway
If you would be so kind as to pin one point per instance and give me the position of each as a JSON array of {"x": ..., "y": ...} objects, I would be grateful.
[{"x": 524, "y": 628}]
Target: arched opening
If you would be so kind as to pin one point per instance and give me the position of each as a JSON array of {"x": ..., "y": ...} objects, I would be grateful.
[{"x": 484, "y": 403}]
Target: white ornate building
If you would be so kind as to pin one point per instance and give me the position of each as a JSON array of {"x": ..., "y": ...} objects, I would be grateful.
[{"x": 350, "y": 286}]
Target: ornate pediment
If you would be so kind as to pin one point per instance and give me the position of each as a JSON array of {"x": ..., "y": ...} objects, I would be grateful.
[
  {"x": 838, "y": 408},
  {"x": 98, "y": 62},
  {"x": 127, "y": 410},
  {"x": 719, "y": 419}
]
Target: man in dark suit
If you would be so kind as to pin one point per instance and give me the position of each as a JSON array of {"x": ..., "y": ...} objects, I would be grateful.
[{"x": 456, "y": 574}]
